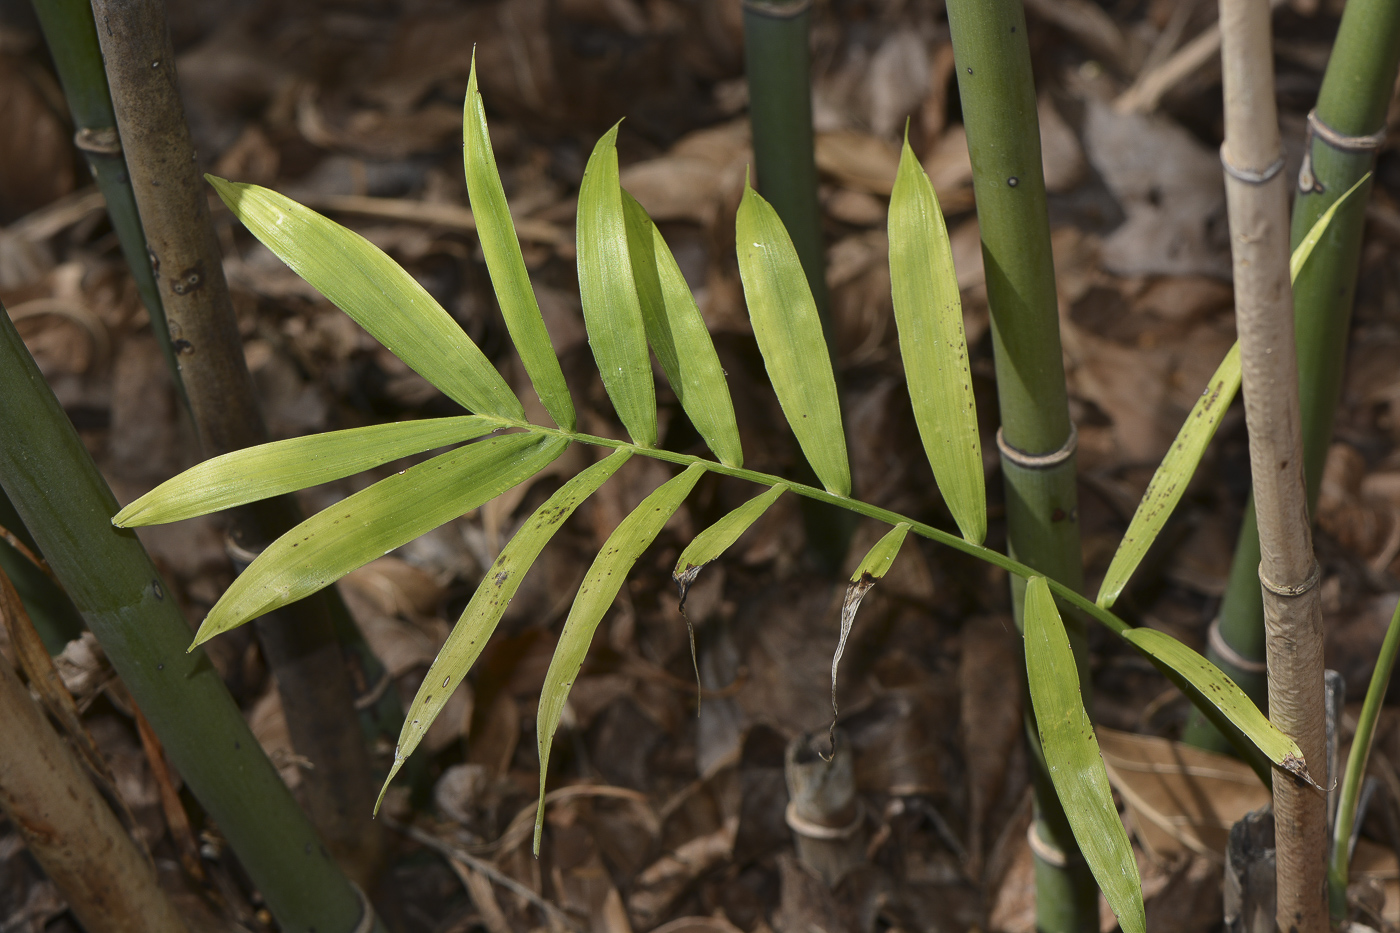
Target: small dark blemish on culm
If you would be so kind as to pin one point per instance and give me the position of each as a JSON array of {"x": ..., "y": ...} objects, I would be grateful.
[
  {"x": 969, "y": 69},
  {"x": 1013, "y": 181},
  {"x": 160, "y": 667},
  {"x": 157, "y": 590}
]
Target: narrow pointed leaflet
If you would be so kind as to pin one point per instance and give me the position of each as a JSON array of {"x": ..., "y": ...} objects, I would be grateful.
[
  {"x": 872, "y": 569},
  {"x": 679, "y": 337},
  {"x": 597, "y": 592},
  {"x": 506, "y": 264},
  {"x": 611, "y": 311},
  {"x": 1072, "y": 756},
  {"x": 385, "y": 300},
  {"x": 374, "y": 521},
  {"x": 789, "y": 335},
  {"x": 715, "y": 540},
  {"x": 489, "y": 602},
  {"x": 1179, "y": 465},
  {"x": 268, "y": 470},
  {"x": 928, "y": 314}
]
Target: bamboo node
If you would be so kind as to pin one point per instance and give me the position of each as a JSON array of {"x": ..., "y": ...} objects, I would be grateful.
[
  {"x": 1229, "y": 655},
  {"x": 1047, "y": 852},
  {"x": 1039, "y": 461},
  {"x": 1250, "y": 176},
  {"x": 240, "y": 555},
  {"x": 811, "y": 830},
  {"x": 1297, "y": 589},
  {"x": 99, "y": 140},
  {"x": 1341, "y": 141},
  {"x": 367, "y": 917}
]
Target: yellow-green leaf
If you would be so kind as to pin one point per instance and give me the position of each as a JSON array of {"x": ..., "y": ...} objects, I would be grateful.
[
  {"x": 1213, "y": 689},
  {"x": 489, "y": 602},
  {"x": 385, "y": 300},
  {"x": 611, "y": 310},
  {"x": 715, "y": 540},
  {"x": 285, "y": 466},
  {"x": 504, "y": 261},
  {"x": 679, "y": 337},
  {"x": 600, "y": 585},
  {"x": 928, "y": 313},
  {"x": 374, "y": 521},
  {"x": 1319, "y": 227},
  {"x": 1172, "y": 477},
  {"x": 789, "y": 335},
  {"x": 1072, "y": 757}
]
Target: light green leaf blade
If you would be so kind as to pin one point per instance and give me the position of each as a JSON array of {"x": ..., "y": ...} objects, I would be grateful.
[
  {"x": 715, "y": 540},
  {"x": 611, "y": 310},
  {"x": 1179, "y": 465},
  {"x": 1319, "y": 227},
  {"x": 479, "y": 620},
  {"x": 1072, "y": 756},
  {"x": 679, "y": 337},
  {"x": 374, "y": 521},
  {"x": 285, "y": 466},
  {"x": 385, "y": 300},
  {"x": 600, "y": 585},
  {"x": 789, "y": 335},
  {"x": 873, "y": 567},
  {"x": 1195, "y": 674},
  {"x": 505, "y": 263},
  {"x": 928, "y": 313},
  {"x": 1169, "y": 483}
]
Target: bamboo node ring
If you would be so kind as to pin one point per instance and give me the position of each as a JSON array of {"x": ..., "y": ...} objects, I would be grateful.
[
  {"x": 240, "y": 555},
  {"x": 1039, "y": 461},
  {"x": 367, "y": 917},
  {"x": 1249, "y": 176},
  {"x": 811, "y": 830},
  {"x": 1297, "y": 589},
  {"x": 1341, "y": 141},
  {"x": 1228, "y": 654},
  {"x": 99, "y": 140},
  {"x": 1047, "y": 852}
]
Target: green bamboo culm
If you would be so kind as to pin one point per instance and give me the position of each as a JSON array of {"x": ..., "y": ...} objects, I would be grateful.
[
  {"x": 71, "y": 36},
  {"x": 778, "y": 67},
  {"x": 1345, "y": 134},
  {"x": 110, "y": 578},
  {"x": 1036, "y": 438}
]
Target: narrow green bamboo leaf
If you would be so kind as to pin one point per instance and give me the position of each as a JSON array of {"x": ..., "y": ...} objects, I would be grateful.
[
  {"x": 611, "y": 310},
  {"x": 505, "y": 263},
  {"x": 1319, "y": 227},
  {"x": 600, "y": 585},
  {"x": 374, "y": 521},
  {"x": 928, "y": 314},
  {"x": 715, "y": 540},
  {"x": 873, "y": 568},
  {"x": 1221, "y": 692},
  {"x": 679, "y": 336},
  {"x": 789, "y": 335},
  {"x": 377, "y": 292},
  {"x": 285, "y": 466},
  {"x": 1169, "y": 483},
  {"x": 488, "y": 604},
  {"x": 1072, "y": 756}
]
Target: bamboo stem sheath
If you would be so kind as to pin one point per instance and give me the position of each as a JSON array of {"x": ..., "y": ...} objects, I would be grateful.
[{"x": 1256, "y": 196}]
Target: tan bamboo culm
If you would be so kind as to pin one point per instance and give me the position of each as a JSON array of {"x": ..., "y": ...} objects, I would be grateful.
[{"x": 1257, "y": 196}]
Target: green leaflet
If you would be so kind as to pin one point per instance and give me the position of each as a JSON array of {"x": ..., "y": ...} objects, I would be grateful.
[
  {"x": 715, "y": 540},
  {"x": 376, "y": 520},
  {"x": 679, "y": 337},
  {"x": 1169, "y": 482},
  {"x": 1072, "y": 756},
  {"x": 1319, "y": 227},
  {"x": 489, "y": 602},
  {"x": 1179, "y": 465},
  {"x": 874, "y": 567},
  {"x": 285, "y": 466},
  {"x": 928, "y": 314},
  {"x": 385, "y": 300},
  {"x": 611, "y": 310},
  {"x": 504, "y": 261},
  {"x": 789, "y": 335},
  {"x": 1220, "y": 692},
  {"x": 595, "y": 595}
]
